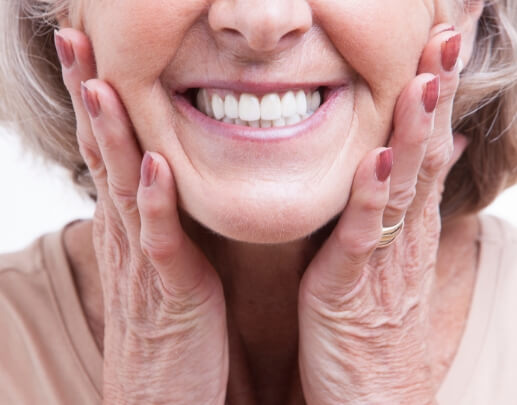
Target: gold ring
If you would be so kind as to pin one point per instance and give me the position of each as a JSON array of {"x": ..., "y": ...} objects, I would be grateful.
[{"x": 389, "y": 234}]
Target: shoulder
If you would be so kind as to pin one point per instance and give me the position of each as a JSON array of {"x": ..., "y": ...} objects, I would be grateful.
[
  {"x": 26, "y": 275},
  {"x": 26, "y": 261},
  {"x": 495, "y": 230},
  {"x": 498, "y": 256},
  {"x": 23, "y": 281},
  {"x": 41, "y": 255}
]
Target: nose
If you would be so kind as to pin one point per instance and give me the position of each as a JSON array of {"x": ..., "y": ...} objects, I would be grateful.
[{"x": 259, "y": 25}]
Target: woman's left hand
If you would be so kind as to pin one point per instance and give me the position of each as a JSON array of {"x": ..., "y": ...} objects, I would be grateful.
[{"x": 364, "y": 312}]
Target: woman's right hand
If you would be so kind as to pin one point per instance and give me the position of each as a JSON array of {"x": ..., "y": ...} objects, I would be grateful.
[{"x": 165, "y": 333}]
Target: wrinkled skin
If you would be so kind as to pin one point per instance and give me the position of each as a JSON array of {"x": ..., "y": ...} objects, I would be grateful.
[{"x": 359, "y": 308}]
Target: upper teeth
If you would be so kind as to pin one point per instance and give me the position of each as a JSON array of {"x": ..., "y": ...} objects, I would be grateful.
[{"x": 247, "y": 109}]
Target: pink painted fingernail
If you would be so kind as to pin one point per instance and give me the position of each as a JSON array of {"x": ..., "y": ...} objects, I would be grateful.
[
  {"x": 450, "y": 52},
  {"x": 91, "y": 101},
  {"x": 384, "y": 165},
  {"x": 431, "y": 94},
  {"x": 148, "y": 170},
  {"x": 65, "y": 51}
]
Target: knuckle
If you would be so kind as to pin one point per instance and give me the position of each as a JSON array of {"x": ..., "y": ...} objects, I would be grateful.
[
  {"x": 401, "y": 197},
  {"x": 356, "y": 247},
  {"x": 374, "y": 204},
  {"x": 448, "y": 90},
  {"x": 438, "y": 158},
  {"x": 87, "y": 148},
  {"x": 123, "y": 198},
  {"x": 109, "y": 139},
  {"x": 419, "y": 138},
  {"x": 151, "y": 207},
  {"x": 159, "y": 250},
  {"x": 98, "y": 170},
  {"x": 84, "y": 139},
  {"x": 117, "y": 248},
  {"x": 360, "y": 249}
]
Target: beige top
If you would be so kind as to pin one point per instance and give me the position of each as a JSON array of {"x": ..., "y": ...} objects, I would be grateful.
[{"x": 48, "y": 354}]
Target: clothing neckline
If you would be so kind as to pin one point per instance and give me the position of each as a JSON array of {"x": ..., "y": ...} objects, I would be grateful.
[
  {"x": 73, "y": 316},
  {"x": 471, "y": 343}
]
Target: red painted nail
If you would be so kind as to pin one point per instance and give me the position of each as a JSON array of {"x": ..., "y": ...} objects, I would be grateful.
[
  {"x": 450, "y": 52},
  {"x": 64, "y": 49},
  {"x": 148, "y": 170},
  {"x": 90, "y": 100},
  {"x": 431, "y": 94},
  {"x": 384, "y": 165}
]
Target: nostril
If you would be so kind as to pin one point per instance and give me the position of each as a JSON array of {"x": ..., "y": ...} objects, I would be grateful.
[
  {"x": 291, "y": 36},
  {"x": 231, "y": 32},
  {"x": 259, "y": 25}
]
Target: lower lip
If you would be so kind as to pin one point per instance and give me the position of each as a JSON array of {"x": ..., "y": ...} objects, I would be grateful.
[{"x": 275, "y": 134}]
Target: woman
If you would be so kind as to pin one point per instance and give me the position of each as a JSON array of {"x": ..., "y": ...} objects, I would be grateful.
[{"x": 268, "y": 177}]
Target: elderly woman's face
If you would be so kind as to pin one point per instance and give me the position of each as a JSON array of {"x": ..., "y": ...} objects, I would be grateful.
[{"x": 255, "y": 190}]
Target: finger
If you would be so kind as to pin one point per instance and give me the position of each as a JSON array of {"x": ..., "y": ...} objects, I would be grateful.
[
  {"x": 439, "y": 28},
  {"x": 119, "y": 150},
  {"x": 434, "y": 199},
  {"x": 77, "y": 65},
  {"x": 413, "y": 125},
  {"x": 336, "y": 272},
  {"x": 181, "y": 265},
  {"x": 460, "y": 143},
  {"x": 439, "y": 57}
]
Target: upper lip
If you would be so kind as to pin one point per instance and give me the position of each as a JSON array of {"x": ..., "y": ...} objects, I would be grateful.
[{"x": 257, "y": 87}]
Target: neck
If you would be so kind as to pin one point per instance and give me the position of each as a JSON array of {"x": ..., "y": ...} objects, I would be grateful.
[
  {"x": 246, "y": 268},
  {"x": 261, "y": 290}
]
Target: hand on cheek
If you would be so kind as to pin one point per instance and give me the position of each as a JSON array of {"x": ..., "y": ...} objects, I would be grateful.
[
  {"x": 161, "y": 295},
  {"x": 364, "y": 310}
]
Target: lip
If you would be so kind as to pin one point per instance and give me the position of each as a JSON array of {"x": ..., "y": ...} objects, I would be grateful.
[
  {"x": 275, "y": 134},
  {"x": 258, "y": 89}
]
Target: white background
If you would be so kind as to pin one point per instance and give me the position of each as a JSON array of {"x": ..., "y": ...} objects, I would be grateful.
[{"x": 36, "y": 198}]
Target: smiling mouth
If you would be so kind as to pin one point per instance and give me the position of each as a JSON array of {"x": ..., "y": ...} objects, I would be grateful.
[{"x": 273, "y": 109}]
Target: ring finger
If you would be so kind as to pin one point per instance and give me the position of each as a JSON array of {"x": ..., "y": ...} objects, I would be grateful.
[{"x": 413, "y": 126}]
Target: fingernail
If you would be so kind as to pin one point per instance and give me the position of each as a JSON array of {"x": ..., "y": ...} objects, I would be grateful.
[
  {"x": 64, "y": 49},
  {"x": 450, "y": 52},
  {"x": 431, "y": 94},
  {"x": 90, "y": 100},
  {"x": 384, "y": 165},
  {"x": 148, "y": 170}
]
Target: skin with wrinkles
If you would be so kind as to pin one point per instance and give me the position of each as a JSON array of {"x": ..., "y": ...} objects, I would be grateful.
[
  {"x": 174, "y": 297},
  {"x": 180, "y": 49}
]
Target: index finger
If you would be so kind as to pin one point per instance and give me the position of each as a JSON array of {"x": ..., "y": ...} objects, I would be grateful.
[{"x": 77, "y": 65}]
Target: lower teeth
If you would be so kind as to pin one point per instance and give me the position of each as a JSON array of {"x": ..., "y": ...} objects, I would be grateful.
[{"x": 282, "y": 122}]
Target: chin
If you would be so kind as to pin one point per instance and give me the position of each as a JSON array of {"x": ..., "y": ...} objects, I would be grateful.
[{"x": 267, "y": 222}]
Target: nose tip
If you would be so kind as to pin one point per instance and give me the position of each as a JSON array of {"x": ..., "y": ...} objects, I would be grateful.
[{"x": 260, "y": 25}]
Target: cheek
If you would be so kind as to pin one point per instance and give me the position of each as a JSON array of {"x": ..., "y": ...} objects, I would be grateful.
[
  {"x": 135, "y": 40},
  {"x": 382, "y": 43}
]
